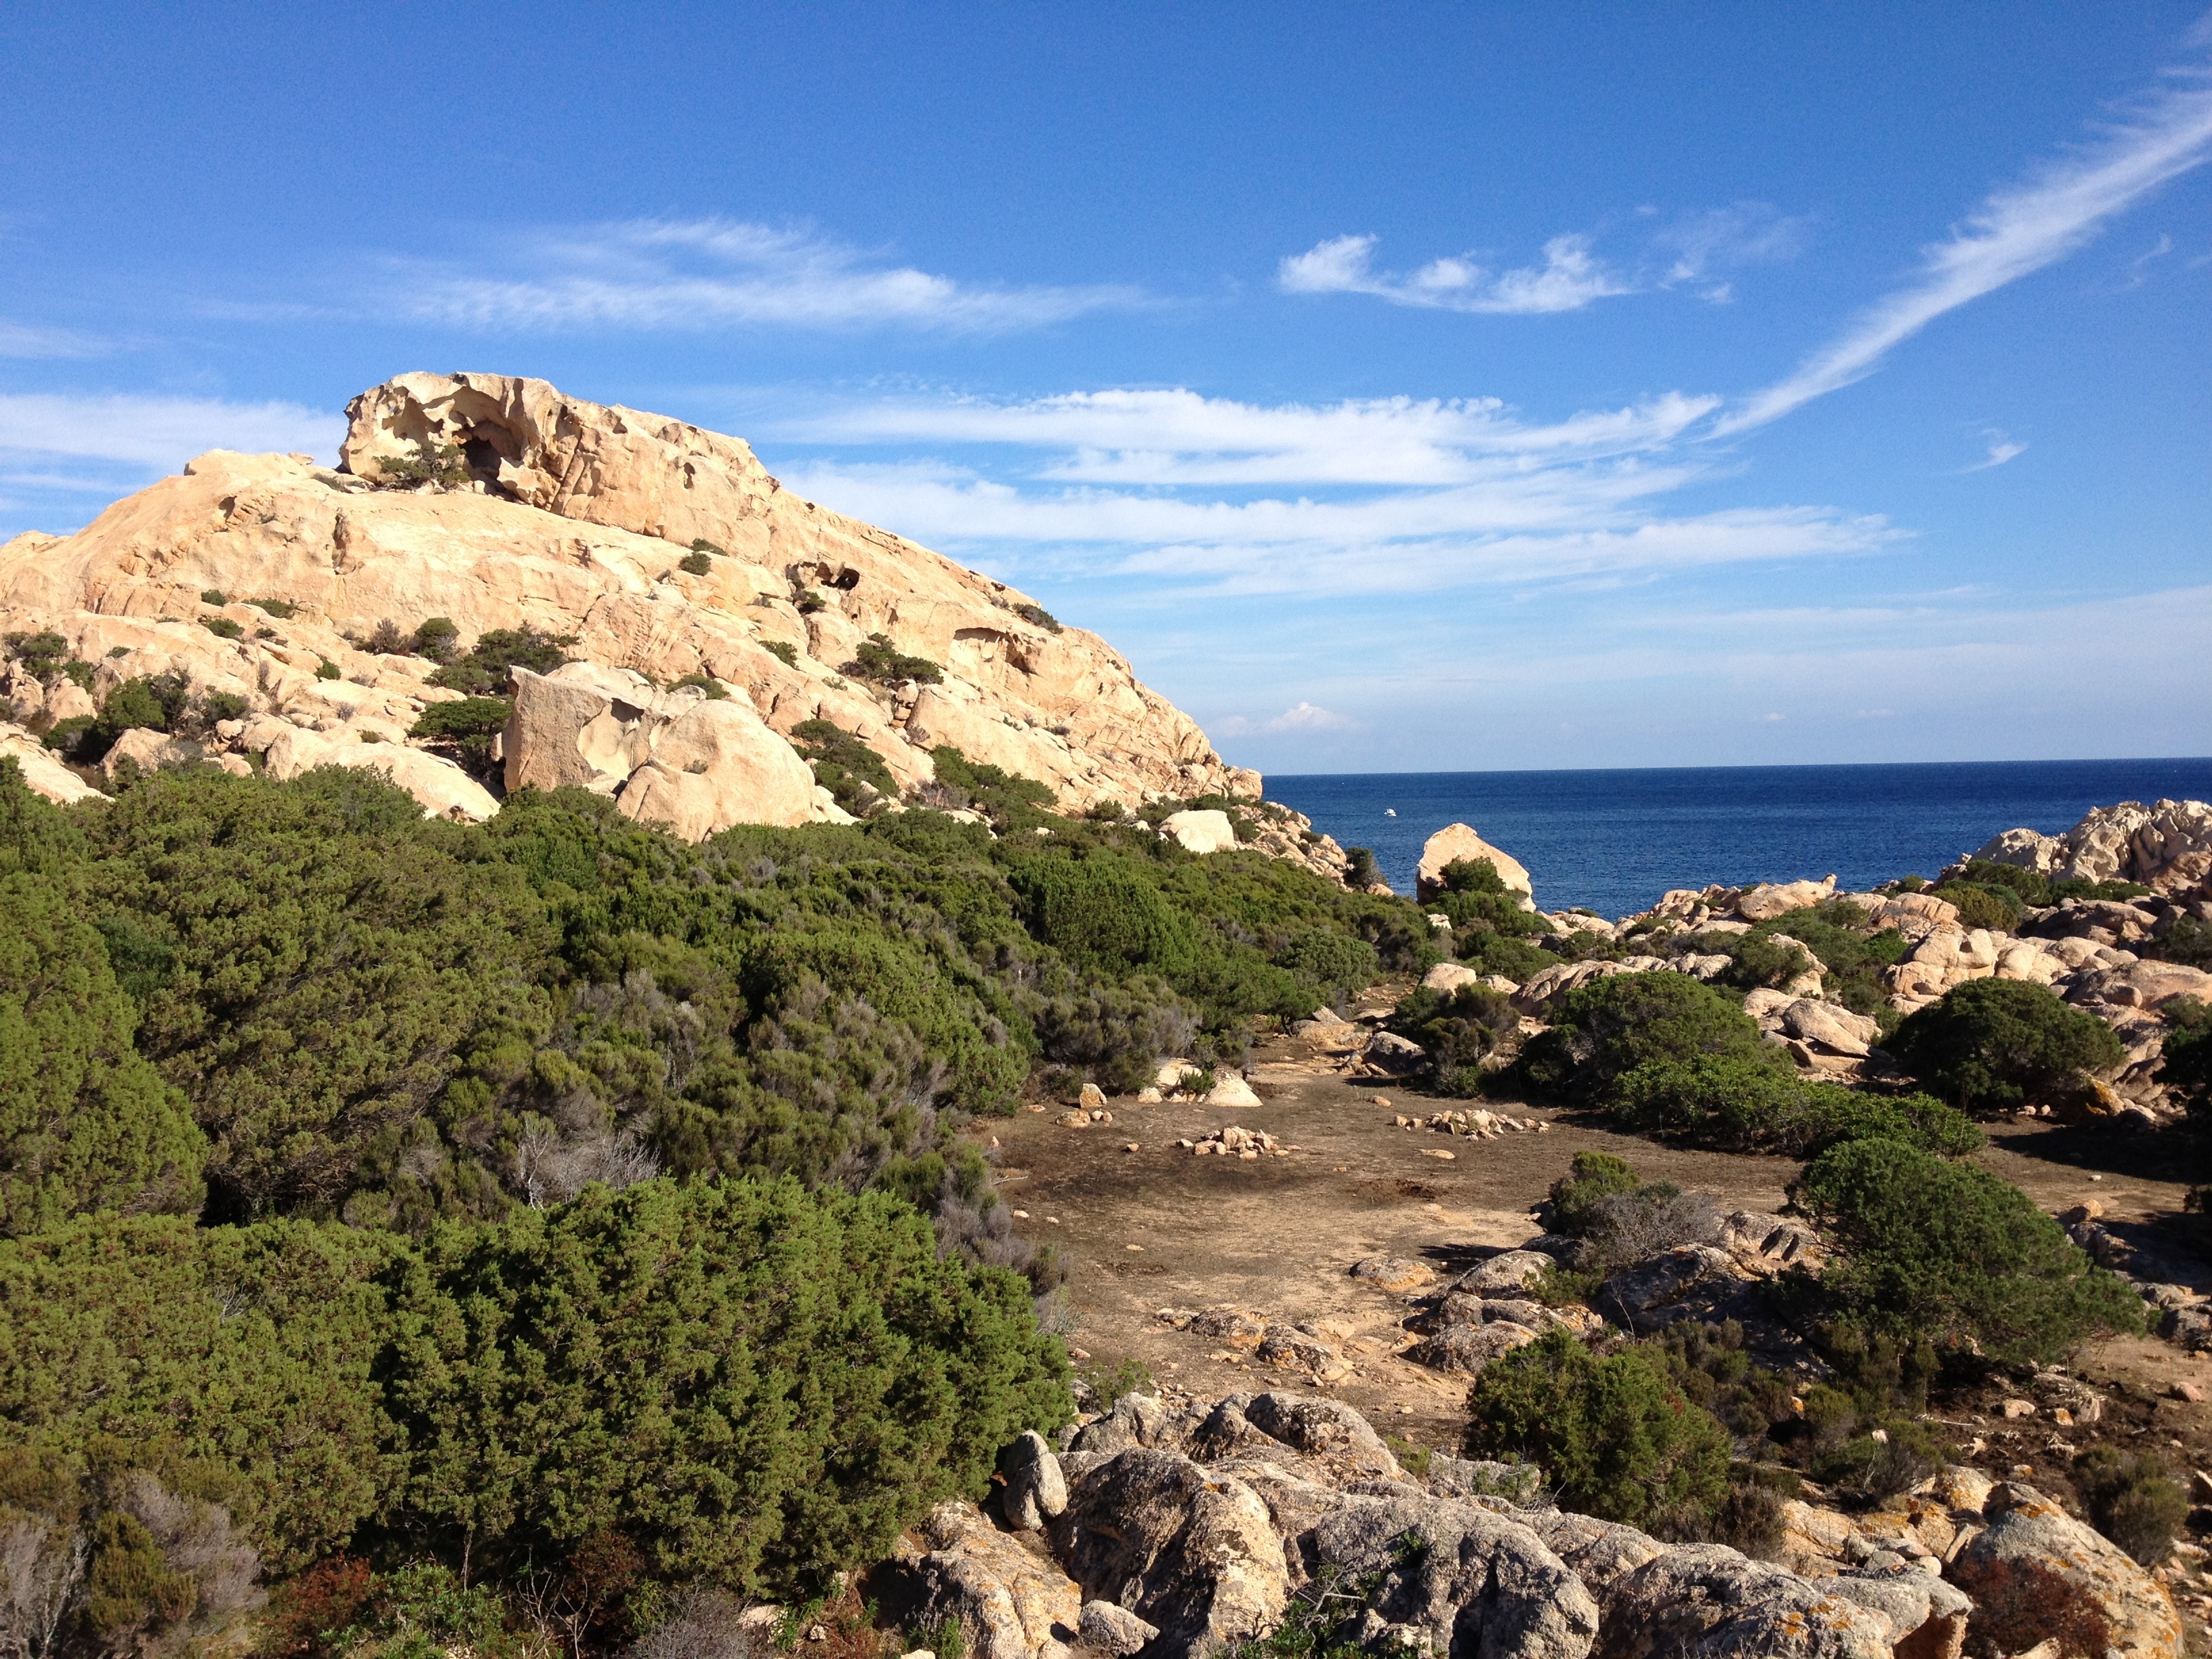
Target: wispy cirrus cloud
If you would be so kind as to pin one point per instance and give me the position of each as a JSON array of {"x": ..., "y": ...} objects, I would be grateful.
[
  {"x": 22, "y": 340},
  {"x": 2017, "y": 230},
  {"x": 161, "y": 432},
  {"x": 703, "y": 275},
  {"x": 1571, "y": 278},
  {"x": 2002, "y": 448},
  {"x": 1389, "y": 495}
]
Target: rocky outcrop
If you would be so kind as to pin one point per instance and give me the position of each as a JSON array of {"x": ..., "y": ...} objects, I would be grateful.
[
  {"x": 1257, "y": 1509},
  {"x": 580, "y": 520},
  {"x": 695, "y": 763},
  {"x": 43, "y": 772},
  {"x": 2034, "y": 1571},
  {"x": 1455, "y": 843},
  {"x": 1008, "y": 1602},
  {"x": 1209, "y": 831},
  {"x": 2166, "y": 845}
]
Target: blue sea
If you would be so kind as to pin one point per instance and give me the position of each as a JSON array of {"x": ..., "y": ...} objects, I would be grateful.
[{"x": 1615, "y": 840}]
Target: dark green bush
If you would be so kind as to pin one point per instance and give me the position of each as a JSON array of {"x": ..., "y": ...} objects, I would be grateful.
[
  {"x": 1876, "y": 1465},
  {"x": 1614, "y": 1436},
  {"x": 1460, "y": 1030},
  {"x": 214, "y": 596},
  {"x": 85, "y": 1123},
  {"x": 327, "y": 670},
  {"x": 783, "y": 651},
  {"x": 1992, "y": 1043},
  {"x": 483, "y": 671},
  {"x": 1980, "y": 906},
  {"x": 701, "y": 545},
  {"x": 224, "y": 627},
  {"x": 438, "y": 638},
  {"x": 852, "y": 771},
  {"x": 442, "y": 465},
  {"x": 1591, "y": 1179},
  {"x": 695, "y": 564},
  {"x": 2186, "y": 1065},
  {"x": 1761, "y": 1105},
  {"x": 1099, "y": 914},
  {"x": 877, "y": 659},
  {"x": 1943, "y": 1250},
  {"x": 2187, "y": 941},
  {"x": 751, "y": 1384},
  {"x": 1030, "y": 611},
  {"x": 1611, "y": 1026},
  {"x": 282, "y": 610},
  {"x": 1360, "y": 869},
  {"x": 465, "y": 729},
  {"x": 715, "y": 690},
  {"x": 2132, "y": 1499},
  {"x": 1013, "y": 803}
]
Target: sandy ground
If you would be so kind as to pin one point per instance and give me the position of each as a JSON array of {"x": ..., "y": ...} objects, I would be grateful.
[{"x": 1157, "y": 1229}]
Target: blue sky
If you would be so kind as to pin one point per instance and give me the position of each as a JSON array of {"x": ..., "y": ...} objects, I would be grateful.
[{"x": 1401, "y": 387}]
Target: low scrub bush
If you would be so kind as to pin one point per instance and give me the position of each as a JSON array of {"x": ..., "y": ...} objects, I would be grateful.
[
  {"x": 877, "y": 659},
  {"x": 695, "y": 564},
  {"x": 1030, "y": 611},
  {"x": 436, "y": 466},
  {"x": 1614, "y": 1435},
  {"x": 715, "y": 690},
  {"x": 783, "y": 651},
  {"x": 2187, "y": 940},
  {"x": 282, "y": 610},
  {"x": 2132, "y": 1499},
  {"x": 1983, "y": 906},
  {"x": 1592, "y": 1178},
  {"x": 1609, "y": 1027},
  {"x": 2032, "y": 887},
  {"x": 481, "y": 672},
  {"x": 1459, "y": 1029},
  {"x": 1992, "y": 1044},
  {"x": 1761, "y": 1105},
  {"x": 224, "y": 627},
  {"x": 854, "y": 774},
  {"x": 465, "y": 729},
  {"x": 1944, "y": 1250}
]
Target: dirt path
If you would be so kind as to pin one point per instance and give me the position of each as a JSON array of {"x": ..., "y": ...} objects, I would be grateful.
[{"x": 1158, "y": 1229}]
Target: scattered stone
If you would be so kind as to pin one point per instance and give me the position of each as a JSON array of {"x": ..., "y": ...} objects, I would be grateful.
[
  {"x": 1113, "y": 1630},
  {"x": 1231, "y": 1090},
  {"x": 1392, "y": 1273},
  {"x": 1092, "y": 1099},
  {"x": 1036, "y": 1489},
  {"x": 1466, "y": 1349},
  {"x": 1236, "y": 1141},
  {"x": 2014, "y": 1409},
  {"x": 2189, "y": 1391}
]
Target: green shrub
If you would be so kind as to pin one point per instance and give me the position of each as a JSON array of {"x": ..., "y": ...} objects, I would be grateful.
[
  {"x": 1760, "y": 1105},
  {"x": 2187, "y": 940},
  {"x": 852, "y": 771},
  {"x": 483, "y": 671},
  {"x": 1615, "y": 1437},
  {"x": 327, "y": 670},
  {"x": 750, "y": 1383},
  {"x": 783, "y": 651},
  {"x": 2186, "y": 1065},
  {"x": 715, "y": 690},
  {"x": 2131, "y": 1499},
  {"x": 465, "y": 729},
  {"x": 1360, "y": 869},
  {"x": 214, "y": 596},
  {"x": 1870, "y": 1467},
  {"x": 85, "y": 1123},
  {"x": 1992, "y": 1044},
  {"x": 75, "y": 737},
  {"x": 1931, "y": 1247},
  {"x": 282, "y": 610},
  {"x": 695, "y": 564},
  {"x": 1011, "y": 802},
  {"x": 1098, "y": 914},
  {"x": 438, "y": 638},
  {"x": 1030, "y": 611},
  {"x": 1592, "y": 1178},
  {"x": 1981, "y": 906},
  {"x": 442, "y": 465},
  {"x": 877, "y": 658},
  {"x": 215, "y": 706},
  {"x": 1611, "y": 1026},
  {"x": 701, "y": 545},
  {"x": 1460, "y": 1030}
]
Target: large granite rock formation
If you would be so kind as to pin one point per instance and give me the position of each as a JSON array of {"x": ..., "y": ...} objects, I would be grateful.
[{"x": 666, "y": 552}]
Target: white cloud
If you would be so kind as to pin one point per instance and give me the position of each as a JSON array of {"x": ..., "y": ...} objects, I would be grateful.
[
  {"x": 1305, "y": 717},
  {"x": 2002, "y": 448},
  {"x": 22, "y": 340},
  {"x": 1570, "y": 278},
  {"x": 2017, "y": 230},
  {"x": 1179, "y": 437},
  {"x": 705, "y": 275},
  {"x": 159, "y": 433}
]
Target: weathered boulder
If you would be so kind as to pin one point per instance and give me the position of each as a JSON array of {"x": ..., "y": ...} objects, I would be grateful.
[
  {"x": 1505, "y": 1273},
  {"x": 1110, "y": 1629},
  {"x": 1008, "y": 1602},
  {"x": 1477, "y": 1583},
  {"x": 1391, "y": 1273},
  {"x": 1449, "y": 976},
  {"x": 1771, "y": 899},
  {"x": 1207, "y": 831},
  {"x": 43, "y": 771},
  {"x": 1701, "y": 1282},
  {"x": 1542, "y": 990},
  {"x": 1323, "y": 1428},
  {"x": 694, "y": 763},
  {"x": 1231, "y": 1090},
  {"x": 1948, "y": 956},
  {"x": 1036, "y": 1490},
  {"x": 1189, "y": 1550},
  {"x": 1705, "y": 1601},
  {"x": 1832, "y": 1027},
  {"x": 2034, "y": 1571},
  {"x": 1456, "y": 841},
  {"x": 1136, "y": 1419},
  {"x": 1466, "y": 1349}
]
